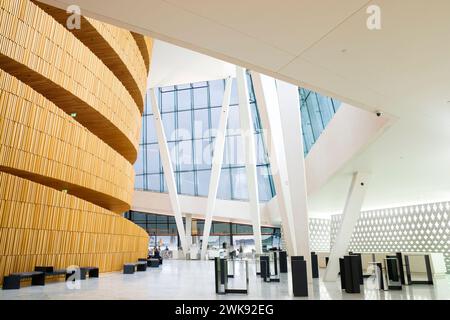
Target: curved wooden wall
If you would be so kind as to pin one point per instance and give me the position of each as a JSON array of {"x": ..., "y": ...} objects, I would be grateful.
[
  {"x": 145, "y": 45},
  {"x": 106, "y": 42},
  {"x": 42, "y": 226},
  {"x": 38, "y": 50},
  {"x": 63, "y": 155},
  {"x": 69, "y": 122}
]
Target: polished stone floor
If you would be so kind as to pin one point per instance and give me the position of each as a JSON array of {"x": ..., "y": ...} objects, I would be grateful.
[{"x": 195, "y": 280}]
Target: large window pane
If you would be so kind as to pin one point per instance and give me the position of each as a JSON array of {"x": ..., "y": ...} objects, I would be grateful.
[
  {"x": 215, "y": 119},
  {"x": 201, "y": 124},
  {"x": 150, "y": 129},
  {"x": 184, "y": 131},
  {"x": 187, "y": 182},
  {"x": 221, "y": 228},
  {"x": 203, "y": 178},
  {"x": 139, "y": 182},
  {"x": 224, "y": 191},
  {"x": 139, "y": 216},
  {"x": 203, "y": 153},
  {"x": 216, "y": 91},
  {"x": 239, "y": 180},
  {"x": 200, "y": 97},
  {"x": 152, "y": 156},
  {"x": 185, "y": 155},
  {"x": 244, "y": 229},
  {"x": 184, "y": 100},
  {"x": 167, "y": 102},
  {"x": 168, "y": 120},
  {"x": 153, "y": 182},
  {"x": 161, "y": 219}
]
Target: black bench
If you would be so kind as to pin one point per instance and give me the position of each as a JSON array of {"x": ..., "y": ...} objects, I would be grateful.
[
  {"x": 151, "y": 262},
  {"x": 84, "y": 271},
  {"x": 92, "y": 272},
  {"x": 13, "y": 280},
  {"x": 154, "y": 263},
  {"x": 160, "y": 259},
  {"x": 130, "y": 268},
  {"x": 50, "y": 271},
  {"x": 145, "y": 260}
]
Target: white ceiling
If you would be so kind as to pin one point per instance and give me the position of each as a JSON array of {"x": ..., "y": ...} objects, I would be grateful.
[
  {"x": 402, "y": 69},
  {"x": 173, "y": 65}
]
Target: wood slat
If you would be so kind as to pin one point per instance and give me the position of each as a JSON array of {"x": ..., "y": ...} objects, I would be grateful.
[
  {"x": 116, "y": 47},
  {"x": 145, "y": 45},
  {"x": 35, "y": 230},
  {"x": 42, "y": 143},
  {"x": 42, "y": 53},
  {"x": 47, "y": 73}
]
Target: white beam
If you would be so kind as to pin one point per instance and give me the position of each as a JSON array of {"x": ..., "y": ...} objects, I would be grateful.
[
  {"x": 219, "y": 146},
  {"x": 289, "y": 103},
  {"x": 168, "y": 172},
  {"x": 269, "y": 111},
  {"x": 249, "y": 149},
  {"x": 352, "y": 211}
]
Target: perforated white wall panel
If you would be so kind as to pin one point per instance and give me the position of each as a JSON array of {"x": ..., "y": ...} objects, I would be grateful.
[
  {"x": 319, "y": 233},
  {"x": 420, "y": 228}
]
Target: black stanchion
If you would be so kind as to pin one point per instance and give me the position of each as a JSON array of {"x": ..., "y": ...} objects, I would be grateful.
[
  {"x": 351, "y": 274},
  {"x": 299, "y": 276},
  {"x": 283, "y": 262},
  {"x": 314, "y": 265}
]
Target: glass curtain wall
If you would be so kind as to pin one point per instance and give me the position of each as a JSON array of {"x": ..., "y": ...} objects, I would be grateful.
[
  {"x": 163, "y": 232},
  {"x": 190, "y": 115},
  {"x": 316, "y": 112}
]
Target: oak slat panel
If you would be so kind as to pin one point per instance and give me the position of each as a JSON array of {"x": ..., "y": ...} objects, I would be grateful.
[
  {"x": 47, "y": 242},
  {"x": 39, "y": 51},
  {"x": 43, "y": 150},
  {"x": 115, "y": 46},
  {"x": 145, "y": 45},
  {"x": 30, "y": 125}
]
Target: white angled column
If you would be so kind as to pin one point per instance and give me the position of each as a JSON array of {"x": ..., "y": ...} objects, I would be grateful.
[
  {"x": 168, "y": 172},
  {"x": 248, "y": 143},
  {"x": 350, "y": 216},
  {"x": 269, "y": 111},
  {"x": 217, "y": 160},
  {"x": 289, "y": 103},
  {"x": 189, "y": 229}
]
